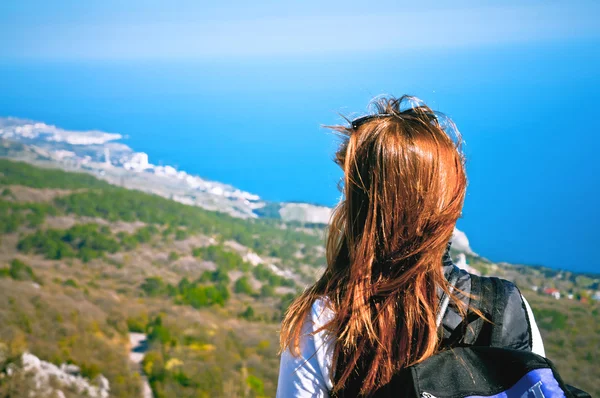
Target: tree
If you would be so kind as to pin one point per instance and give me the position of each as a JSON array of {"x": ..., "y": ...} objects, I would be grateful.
[
  {"x": 248, "y": 313},
  {"x": 154, "y": 286},
  {"x": 243, "y": 286},
  {"x": 20, "y": 271}
]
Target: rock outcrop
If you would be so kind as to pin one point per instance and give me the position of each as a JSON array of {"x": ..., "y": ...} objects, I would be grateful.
[{"x": 45, "y": 379}]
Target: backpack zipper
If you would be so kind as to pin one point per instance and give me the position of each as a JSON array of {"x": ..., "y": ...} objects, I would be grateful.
[{"x": 427, "y": 395}]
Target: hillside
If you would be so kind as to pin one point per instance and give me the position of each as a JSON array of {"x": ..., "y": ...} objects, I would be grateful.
[
  {"x": 104, "y": 156},
  {"x": 83, "y": 263}
]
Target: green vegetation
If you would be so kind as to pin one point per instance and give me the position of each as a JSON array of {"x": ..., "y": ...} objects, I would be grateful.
[
  {"x": 154, "y": 287},
  {"x": 199, "y": 295},
  {"x": 120, "y": 204},
  {"x": 137, "y": 324},
  {"x": 70, "y": 282},
  {"x": 196, "y": 361},
  {"x": 19, "y": 173},
  {"x": 267, "y": 290},
  {"x": 32, "y": 215},
  {"x": 262, "y": 273},
  {"x": 248, "y": 313},
  {"x": 84, "y": 241},
  {"x": 196, "y": 294},
  {"x": 223, "y": 258},
  {"x": 63, "y": 329},
  {"x": 243, "y": 286},
  {"x": 98, "y": 199},
  {"x": 140, "y": 236},
  {"x": 256, "y": 385},
  {"x": 219, "y": 276},
  {"x": 18, "y": 271},
  {"x": 181, "y": 234},
  {"x": 571, "y": 334},
  {"x": 550, "y": 319}
]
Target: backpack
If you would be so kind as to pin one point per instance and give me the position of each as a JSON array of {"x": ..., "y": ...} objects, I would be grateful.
[{"x": 476, "y": 362}]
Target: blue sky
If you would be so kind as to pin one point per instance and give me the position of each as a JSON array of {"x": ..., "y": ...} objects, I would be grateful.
[
  {"x": 195, "y": 29},
  {"x": 238, "y": 91}
]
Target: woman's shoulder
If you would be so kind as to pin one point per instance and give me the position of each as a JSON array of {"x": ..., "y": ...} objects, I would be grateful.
[
  {"x": 321, "y": 312},
  {"x": 519, "y": 329},
  {"x": 308, "y": 375}
]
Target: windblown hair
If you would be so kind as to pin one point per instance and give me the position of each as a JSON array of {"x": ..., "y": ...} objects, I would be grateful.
[{"x": 403, "y": 190}]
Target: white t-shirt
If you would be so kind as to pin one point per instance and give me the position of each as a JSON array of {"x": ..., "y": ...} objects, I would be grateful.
[{"x": 308, "y": 375}]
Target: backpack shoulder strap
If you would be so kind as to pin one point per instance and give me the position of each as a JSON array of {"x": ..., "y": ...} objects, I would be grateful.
[
  {"x": 512, "y": 323},
  {"x": 470, "y": 328},
  {"x": 507, "y": 323},
  {"x": 487, "y": 297},
  {"x": 494, "y": 304}
]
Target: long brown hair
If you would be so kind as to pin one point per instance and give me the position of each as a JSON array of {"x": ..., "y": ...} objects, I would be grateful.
[{"x": 403, "y": 190}]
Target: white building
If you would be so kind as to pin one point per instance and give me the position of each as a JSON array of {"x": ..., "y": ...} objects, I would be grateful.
[
  {"x": 137, "y": 162},
  {"x": 62, "y": 154}
]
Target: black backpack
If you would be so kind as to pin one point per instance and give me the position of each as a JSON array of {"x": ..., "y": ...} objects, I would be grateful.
[{"x": 476, "y": 363}]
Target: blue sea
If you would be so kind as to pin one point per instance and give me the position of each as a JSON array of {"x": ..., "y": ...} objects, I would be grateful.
[{"x": 528, "y": 115}]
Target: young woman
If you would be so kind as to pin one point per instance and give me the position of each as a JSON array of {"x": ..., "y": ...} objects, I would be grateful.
[{"x": 373, "y": 312}]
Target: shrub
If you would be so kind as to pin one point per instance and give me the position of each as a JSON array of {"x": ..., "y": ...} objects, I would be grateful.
[
  {"x": 154, "y": 286},
  {"x": 550, "y": 319},
  {"x": 256, "y": 385},
  {"x": 20, "y": 271},
  {"x": 263, "y": 273},
  {"x": 70, "y": 282},
  {"x": 267, "y": 290},
  {"x": 158, "y": 332},
  {"x": 242, "y": 285},
  {"x": 223, "y": 258},
  {"x": 181, "y": 234},
  {"x": 85, "y": 241},
  {"x": 248, "y": 313},
  {"x": 218, "y": 276},
  {"x": 137, "y": 324}
]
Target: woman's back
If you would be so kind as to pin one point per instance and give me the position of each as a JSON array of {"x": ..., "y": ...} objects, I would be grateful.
[{"x": 311, "y": 374}]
